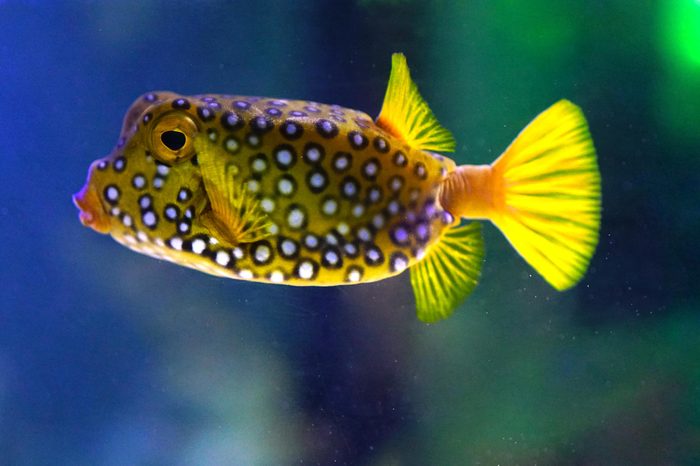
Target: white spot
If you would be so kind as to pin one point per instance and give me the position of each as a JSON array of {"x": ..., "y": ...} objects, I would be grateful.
[
  {"x": 171, "y": 213},
  {"x": 231, "y": 145},
  {"x": 212, "y": 136},
  {"x": 371, "y": 169},
  {"x": 277, "y": 277},
  {"x": 354, "y": 276},
  {"x": 420, "y": 253},
  {"x": 162, "y": 169},
  {"x": 331, "y": 239},
  {"x": 296, "y": 218},
  {"x": 273, "y": 229},
  {"x": 253, "y": 186},
  {"x": 127, "y": 220},
  {"x": 213, "y": 241},
  {"x": 378, "y": 221},
  {"x": 112, "y": 193},
  {"x": 396, "y": 183},
  {"x": 332, "y": 257},
  {"x": 350, "y": 249},
  {"x": 400, "y": 264},
  {"x": 313, "y": 154},
  {"x": 288, "y": 247},
  {"x": 142, "y": 236},
  {"x": 306, "y": 270},
  {"x": 183, "y": 195},
  {"x": 198, "y": 246},
  {"x": 157, "y": 182},
  {"x": 245, "y": 274},
  {"x": 130, "y": 239},
  {"x": 415, "y": 193},
  {"x": 259, "y": 165},
  {"x": 329, "y": 207},
  {"x": 176, "y": 243},
  {"x": 237, "y": 252},
  {"x": 358, "y": 210},
  {"x": 145, "y": 202},
  {"x": 115, "y": 211},
  {"x": 139, "y": 181},
  {"x": 267, "y": 204},
  {"x": 317, "y": 180},
  {"x": 350, "y": 189},
  {"x": 363, "y": 234},
  {"x": 223, "y": 258},
  {"x": 393, "y": 207},
  {"x": 311, "y": 241},
  {"x": 285, "y": 187},
  {"x": 253, "y": 140},
  {"x": 374, "y": 195},
  {"x": 341, "y": 163},
  {"x": 262, "y": 253},
  {"x": 149, "y": 218},
  {"x": 357, "y": 139},
  {"x": 183, "y": 227},
  {"x": 291, "y": 129},
  {"x": 373, "y": 255},
  {"x": 284, "y": 157},
  {"x": 343, "y": 228}
]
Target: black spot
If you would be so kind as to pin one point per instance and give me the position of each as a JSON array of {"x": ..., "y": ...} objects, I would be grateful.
[
  {"x": 261, "y": 124},
  {"x": 317, "y": 180},
  {"x": 231, "y": 121},
  {"x": 381, "y": 145},
  {"x": 357, "y": 140},
  {"x": 398, "y": 261},
  {"x": 266, "y": 246},
  {"x": 314, "y": 153},
  {"x": 291, "y": 130},
  {"x": 289, "y": 181},
  {"x": 400, "y": 159},
  {"x": 370, "y": 169},
  {"x": 181, "y": 104},
  {"x": 231, "y": 145},
  {"x": 194, "y": 161},
  {"x": 242, "y": 104},
  {"x": 119, "y": 164},
  {"x": 342, "y": 161},
  {"x": 373, "y": 255},
  {"x": 173, "y": 140},
  {"x": 314, "y": 266},
  {"x": 285, "y": 249},
  {"x": 184, "y": 195},
  {"x": 420, "y": 171},
  {"x": 171, "y": 212},
  {"x": 350, "y": 188},
  {"x": 331, "y": 257},
  {"x": 205, "y": 113},
  {"x": 285, "y": 156},
  {"x": 326, "y": 128}
]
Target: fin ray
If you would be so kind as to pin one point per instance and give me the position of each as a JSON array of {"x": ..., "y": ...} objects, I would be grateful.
[
  {"x": 448, "y": 273},
  {"x": 406, "y": 115}
]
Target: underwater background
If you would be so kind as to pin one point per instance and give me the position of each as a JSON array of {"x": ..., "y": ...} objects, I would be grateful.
[{"x": 109, "y": 357}]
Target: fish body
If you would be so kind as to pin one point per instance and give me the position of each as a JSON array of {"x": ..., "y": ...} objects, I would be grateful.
[{"x": 300, "y": 193}]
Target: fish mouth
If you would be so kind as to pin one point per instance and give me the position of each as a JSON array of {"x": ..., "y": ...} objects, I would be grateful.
[{"x": 92, "y": 213}]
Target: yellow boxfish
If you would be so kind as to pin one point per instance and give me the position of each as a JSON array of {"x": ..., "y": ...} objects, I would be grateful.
[{"x": 302, "y": 193}]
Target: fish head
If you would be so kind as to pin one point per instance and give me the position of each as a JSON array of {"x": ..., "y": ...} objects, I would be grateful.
[{"x": 150, "y": 179}]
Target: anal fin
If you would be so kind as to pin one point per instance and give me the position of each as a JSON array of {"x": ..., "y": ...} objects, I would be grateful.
[{"x": 448, "y": 273}]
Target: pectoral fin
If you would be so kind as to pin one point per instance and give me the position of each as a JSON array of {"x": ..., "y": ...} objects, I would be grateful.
[{"x": 234, "y": 214}]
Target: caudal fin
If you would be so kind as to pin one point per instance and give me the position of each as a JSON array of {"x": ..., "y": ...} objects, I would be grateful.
[{"x": 549, "y": 201}]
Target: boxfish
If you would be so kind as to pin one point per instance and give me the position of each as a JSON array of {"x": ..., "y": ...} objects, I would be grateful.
[{"x": 301, "y": 193}]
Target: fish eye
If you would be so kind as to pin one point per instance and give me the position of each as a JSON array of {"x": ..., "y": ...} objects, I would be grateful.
[{"x": 172, "y": 138}]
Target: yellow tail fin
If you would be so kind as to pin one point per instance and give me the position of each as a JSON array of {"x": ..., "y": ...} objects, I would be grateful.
[{"x": 543, "y": 193}]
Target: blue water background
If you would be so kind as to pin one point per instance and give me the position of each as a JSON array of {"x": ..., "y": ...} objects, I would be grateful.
[{"x": 110, "y": 357}]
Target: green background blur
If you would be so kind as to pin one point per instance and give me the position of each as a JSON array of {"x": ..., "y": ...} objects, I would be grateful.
[{"x": 109, "y": 357}]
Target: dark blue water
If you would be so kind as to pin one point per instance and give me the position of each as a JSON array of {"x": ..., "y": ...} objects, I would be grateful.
[{"x": 110, "y": 357}]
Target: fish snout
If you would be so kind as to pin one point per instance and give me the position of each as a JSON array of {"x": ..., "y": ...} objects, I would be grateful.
[{"x": 92, "y": 213}]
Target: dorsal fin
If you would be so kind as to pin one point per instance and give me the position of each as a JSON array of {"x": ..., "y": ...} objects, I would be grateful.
[
  {"x": 235, "y": 215},
  {"x": 406, "y": 115}
]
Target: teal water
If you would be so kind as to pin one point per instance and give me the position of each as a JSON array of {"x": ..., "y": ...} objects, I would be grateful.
[{"x": 110, "y": 357}]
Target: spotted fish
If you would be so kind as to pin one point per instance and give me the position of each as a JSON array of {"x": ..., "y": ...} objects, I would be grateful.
[{"x": 302, "y": 193}]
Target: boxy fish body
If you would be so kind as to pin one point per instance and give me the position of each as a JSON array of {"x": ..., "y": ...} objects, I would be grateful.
[{"x": 301, "y": 193}]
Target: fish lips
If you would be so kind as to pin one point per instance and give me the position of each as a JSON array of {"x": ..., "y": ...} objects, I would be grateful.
[{"x": 92, "y": 212}]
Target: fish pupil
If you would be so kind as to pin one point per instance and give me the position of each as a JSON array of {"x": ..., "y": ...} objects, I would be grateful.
[{"x": 173, "y": 140}]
